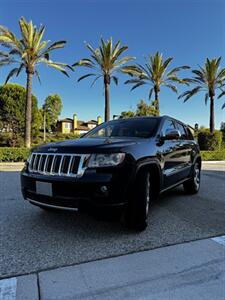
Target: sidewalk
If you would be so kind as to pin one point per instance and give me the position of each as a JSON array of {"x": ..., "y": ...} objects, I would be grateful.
[
  {"x": 194, "y": 270},
  {"x": 11, "y": 166}
]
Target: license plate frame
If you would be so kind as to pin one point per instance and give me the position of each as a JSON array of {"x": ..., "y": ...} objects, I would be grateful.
[{"x": 44, "y": 188}]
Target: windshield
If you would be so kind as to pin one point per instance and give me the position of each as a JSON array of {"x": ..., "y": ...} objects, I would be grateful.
[{"x": 139, "y": 128}]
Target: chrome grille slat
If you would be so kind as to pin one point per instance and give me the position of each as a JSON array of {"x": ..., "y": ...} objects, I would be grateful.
[
  {"x": 44, "y": 169},
  {"x": 39, "y": 163},
  {"x": 43, "y": 162},
  {"x": 53, "y": 161},
  {"x": 35, "y": 160},
  {"x": 71, "y": 158},
  {"x": 60, "y": 165}
]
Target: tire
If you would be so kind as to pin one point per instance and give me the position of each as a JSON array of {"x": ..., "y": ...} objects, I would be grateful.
[
  {"x": 193, "y": 184},
  {"x": 136, "y": 215}
]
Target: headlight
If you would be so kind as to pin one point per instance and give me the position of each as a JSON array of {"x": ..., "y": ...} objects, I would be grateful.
[{"x": 105, "y": 160}]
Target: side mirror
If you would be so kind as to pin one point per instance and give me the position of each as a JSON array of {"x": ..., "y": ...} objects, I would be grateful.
[{"x": 172, "y": 134}]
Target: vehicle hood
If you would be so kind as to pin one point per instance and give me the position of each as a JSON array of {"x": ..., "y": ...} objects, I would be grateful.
[{"x": 89, "y": 145}]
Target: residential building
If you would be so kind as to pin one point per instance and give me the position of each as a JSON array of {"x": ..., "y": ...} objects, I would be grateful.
[{"x": 76, "y": 126}]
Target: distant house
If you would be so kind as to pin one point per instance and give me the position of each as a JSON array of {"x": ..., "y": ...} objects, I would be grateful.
[{"x": 76, "y": 126}]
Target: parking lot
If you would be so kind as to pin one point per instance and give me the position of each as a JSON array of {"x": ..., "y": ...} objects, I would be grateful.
[{"x": 34, "y": 240}]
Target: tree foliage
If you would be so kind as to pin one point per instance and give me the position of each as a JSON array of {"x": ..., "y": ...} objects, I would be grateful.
[
  {"x": 105, "y": 63},
  {"x": 26, "y": 53},
  {"x": 12, "y": 112},
  {"x": 143, "y": 109},
  {"x": 156, "y": 74},
  {"x": 52, "y": 109},
  {"x": 208, "y": 79},
  {"x": 127, "y": 114}
]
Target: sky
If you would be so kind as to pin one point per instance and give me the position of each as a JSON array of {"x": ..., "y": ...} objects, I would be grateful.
[{"x": 187, "y": 30}]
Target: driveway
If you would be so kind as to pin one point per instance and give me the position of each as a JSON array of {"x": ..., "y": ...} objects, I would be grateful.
[{"x": 33, "y": 240}]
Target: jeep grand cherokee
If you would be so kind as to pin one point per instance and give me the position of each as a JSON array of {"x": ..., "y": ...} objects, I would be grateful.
[{"x": 125, "y": 162}]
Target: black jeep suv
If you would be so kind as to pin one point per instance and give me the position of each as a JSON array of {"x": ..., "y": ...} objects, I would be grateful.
[{"x": 125, "y": 162}]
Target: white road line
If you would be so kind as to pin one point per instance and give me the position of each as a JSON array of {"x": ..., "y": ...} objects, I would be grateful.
[
  {"x": 8, "y": 289},
  {"x": 220, "y": 240}
]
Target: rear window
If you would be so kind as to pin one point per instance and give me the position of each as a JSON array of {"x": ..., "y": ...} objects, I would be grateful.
[{"x": 139, "y": 128}]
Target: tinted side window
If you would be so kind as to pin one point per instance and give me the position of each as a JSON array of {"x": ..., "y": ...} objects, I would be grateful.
[
  {"x": 168, "y": 124},
  {"x": 183, "y": 133}
]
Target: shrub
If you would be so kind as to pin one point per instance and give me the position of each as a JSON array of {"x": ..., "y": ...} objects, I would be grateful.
[
  {"x": 9, "y": 154},
  {"x": 213, "y": 155},
  {"x": 39, "y": 140},
  {"x": 208, "y": 141}
]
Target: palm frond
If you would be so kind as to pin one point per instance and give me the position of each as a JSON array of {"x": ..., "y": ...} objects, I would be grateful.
[
  {"x": 11, "y": 74},
  {"x": 37, "y": 75},
  {"x": 172, "y": 87},
  {"x": 132, "y": 81},
  {"x": 96, "y": 79},
  {"x": 206, "y": 98},
  {"x": 58, "y": 66},
  {"x": 84, "y": 76},
  {"x": 56, "y": 45},
  {"x": 137, "y": 85},
  {"x": 177, "y": 69},
  {"x": 188, "y": 94},
  {"x": 150, "y": 93},
  {"x": 221, "y": 95},
  {"x": 105, "y": 59},
  {"x": 115, "y": 79},
  {"x": 85, "y": 62}
]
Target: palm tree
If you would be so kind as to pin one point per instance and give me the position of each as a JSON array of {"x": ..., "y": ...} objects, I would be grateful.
[
  {"x": 208, "y": 79},
  {"x": 28, "y": 52},
  {"x": 155, "y": 72},
  {"x": 105, "y": 62}
]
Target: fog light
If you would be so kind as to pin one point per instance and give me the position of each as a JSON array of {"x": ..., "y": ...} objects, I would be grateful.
[{"x": 104, "y": 189}]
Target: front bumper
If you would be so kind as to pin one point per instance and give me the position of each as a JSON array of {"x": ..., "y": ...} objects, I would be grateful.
[{"x": 93, "y": 188}]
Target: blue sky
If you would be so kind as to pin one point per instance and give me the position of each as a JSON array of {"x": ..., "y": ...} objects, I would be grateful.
[{"x": 188, "y": 30}]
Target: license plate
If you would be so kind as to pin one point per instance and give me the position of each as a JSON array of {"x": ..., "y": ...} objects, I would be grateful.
[{"x": 44, "y": 188}]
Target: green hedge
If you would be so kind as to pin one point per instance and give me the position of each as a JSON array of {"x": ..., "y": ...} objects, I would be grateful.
[
  {"x": 9, "y": 154},
  {"x": 213, "y": 155},
  {"x": 208, "y": 141}
]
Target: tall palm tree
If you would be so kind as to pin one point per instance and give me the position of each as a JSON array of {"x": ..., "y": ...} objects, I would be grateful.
[
  {"x": 155, "y": 73},
  {"x": 208, "y": 79},
  {"x": 28, "y": 52},
  {"x": 105, "y": 62}
]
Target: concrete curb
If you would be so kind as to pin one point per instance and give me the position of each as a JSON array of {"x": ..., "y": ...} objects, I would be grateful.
[
  {"x": 9, "y": 164},
  {"x": 183, "y": 271},
  {"x": 16, "y": 166},
  {"x": 213, "y": 161}
]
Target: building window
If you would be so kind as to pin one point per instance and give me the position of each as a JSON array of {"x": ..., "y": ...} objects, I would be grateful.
[{"x": 68, "y": 125}]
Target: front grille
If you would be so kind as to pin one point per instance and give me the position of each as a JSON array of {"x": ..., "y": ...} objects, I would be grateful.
[{"x": 58, "y": 164}]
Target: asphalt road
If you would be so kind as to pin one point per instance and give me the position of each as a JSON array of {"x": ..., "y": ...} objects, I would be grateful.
[{"x": 34, "y": 240}]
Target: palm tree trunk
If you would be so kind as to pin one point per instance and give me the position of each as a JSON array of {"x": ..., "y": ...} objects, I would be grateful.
[
  {"x": 107, "y": 105},
  {"x": 28, "y": 110},
  {"x": 212, "y": 115},
  {"x": 156, "y": 91}
]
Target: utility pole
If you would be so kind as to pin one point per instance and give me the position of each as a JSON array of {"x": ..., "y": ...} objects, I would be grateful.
[{"x": 44, "y": 126}]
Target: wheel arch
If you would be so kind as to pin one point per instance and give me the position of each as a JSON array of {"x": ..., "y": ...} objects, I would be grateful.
[
  {"x": 155, "y": 172},
  {"x": 198, "y": 159}
]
